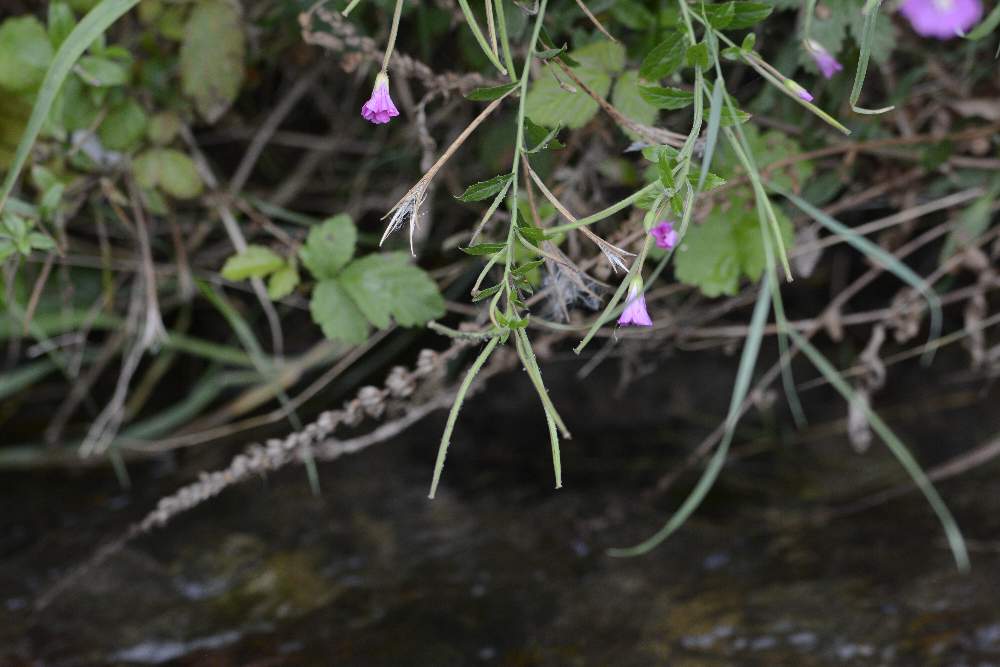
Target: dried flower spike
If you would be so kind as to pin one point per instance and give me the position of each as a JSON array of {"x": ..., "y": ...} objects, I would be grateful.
[
  {"x": 942, "y": 19},
  {"x": 827, "y": 64},
  {"x": 379, "y": 107},
  {"x": 635, "y": 313},
  {"x": 664, "y": 234}
]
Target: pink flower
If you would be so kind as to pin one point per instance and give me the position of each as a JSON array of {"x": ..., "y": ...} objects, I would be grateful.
[
  {"x": 664, "y": 234},
  {"x": 635, "y": 314},
  {"x": 943, "y": 19},
  {"x": 826, "y": 63},
  {"x": 379, "y": 108}
]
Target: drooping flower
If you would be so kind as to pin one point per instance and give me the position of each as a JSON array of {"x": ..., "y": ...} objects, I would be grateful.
[
  {"x": 942, "y": 19},
  {"x": 826, "y": 63},
  {"x": 635, "y": 314},
  {"x": 379, "y": 107},
  {"x": 664, "y": 234}
]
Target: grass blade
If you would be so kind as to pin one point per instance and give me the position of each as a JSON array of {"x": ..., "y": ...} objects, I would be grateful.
[
  {"x": 891, "y": 264},
  {"x": 748, "y": 360},
  {"x": 867, "y": 37},
  {"x": 951, "y": 530}
]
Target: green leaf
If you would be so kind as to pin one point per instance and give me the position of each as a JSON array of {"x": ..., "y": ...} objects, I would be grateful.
[
  {"x": 486, "y": 293},
  {"x": 550, "y": 104},
  {"x": 25, "y": 53},
  {"x": 41, "y": 241},
  {"x": 103, "y": 72},
  {"x": 282, "y": 282},
  {"x": 666, "y": 98},
  {"x": 627, "y": 99},
  {"x": 212, "y": 55},
  {"x": 387, "y": 285},
  {"x": 721, "y": 15},
  {"x": 665, "y": 58},
  {"x": 726, "y": 246},
  {"x": 491, "y": 93},
  {"x": 329, "y": 246},
  {"x": 749, "y": 14},
  {"x": 484, "y": 189},
  {"x": 124, "y": 126},
  {"x": 61, "y": 23},
  {"x": 697, "y": 56},
  {"x": 254, "y": 262},
  {"x": 484, "y": 249},
  {"x": 170, "y": 170},
  {"x": 883, "y": 38},
  {"x": 540, "y": 138},
  {"x": 632, "y": 14},
  {"x": 336, "y": 314},
  {"x": 163, "y": 127}
]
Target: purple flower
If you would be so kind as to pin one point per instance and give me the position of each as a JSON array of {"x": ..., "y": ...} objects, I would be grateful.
[
  {"x": 826, "y": 63},
  {"x": 635, "y": 314},
  {"x": 379, "y": 108},
  {"x": 664, "y": 234},
  {"x": 943, "y": 19}
]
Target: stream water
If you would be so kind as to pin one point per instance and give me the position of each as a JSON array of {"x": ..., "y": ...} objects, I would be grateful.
[{"x": 501, "y": 569}]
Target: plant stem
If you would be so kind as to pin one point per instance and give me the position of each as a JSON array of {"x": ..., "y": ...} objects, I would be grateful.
[{"x": 393, "y": 31}]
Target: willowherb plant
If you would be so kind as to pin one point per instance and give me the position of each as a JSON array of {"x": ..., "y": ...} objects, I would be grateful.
[{"x": 713, "y": 203}]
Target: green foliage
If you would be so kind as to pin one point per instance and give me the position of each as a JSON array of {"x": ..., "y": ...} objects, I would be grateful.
[
  {"x": 169, "y": 170},
  {"x": 16, "y": 237},
  {"x": 25, "y": 53},
  {"x": 627, "y": 98},
  {"x": 388, "y": 286},
  {"x": 350, "y": 296},
  {"x": 727, "y": 246},
  {"x": 550, "y": 104},
  {"x": 211, "y": 60},
  {"x": 254, "y": 262},
  {"x": 330, "y": 246},
  {"x": 484, "y": 189},
  {"x": 665, "y": 58}
]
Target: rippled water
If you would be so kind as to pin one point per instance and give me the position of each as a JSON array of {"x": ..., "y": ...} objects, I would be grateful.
[{"x": 500, "y": 569}]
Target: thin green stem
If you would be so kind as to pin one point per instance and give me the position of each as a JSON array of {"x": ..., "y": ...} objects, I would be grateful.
[
  {"x": 393, "y": 31},
  {"x": 504, "y": 39}
]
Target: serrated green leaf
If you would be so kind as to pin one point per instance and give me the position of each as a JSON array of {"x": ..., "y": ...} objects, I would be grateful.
[
  {"x": 491, "y": 93},
  {"x": 211, "y": 60},
  {"x": 485, "y": 293},
  {"x": 627, "y": 99},
  {"x": 484, "y": 189},
  {"x": 749, "y": 14},
  {"x": 721, "y": 15},
  {"x": 550, "y": 104},
  {"x": 715, "y": 254},
  {"x": 25, "y": 53},
  {"x": 484, "y": 249},
  {"x": 388, "y": 286},
  {"x": 337, "y": 314},
  {"x": 254, "y": 262},
  {"x": 665, "y": 58},
  {"x": 282, "y": 282},
  {"x": 329, "y": 246},
  {"x": 540, "y": 138},
  {"x": 666, "y": 98}
]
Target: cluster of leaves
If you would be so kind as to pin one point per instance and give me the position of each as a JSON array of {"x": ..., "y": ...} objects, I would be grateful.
[
  {"x": 350, "y": 295},
  {"x": 120, "y": 105}
]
